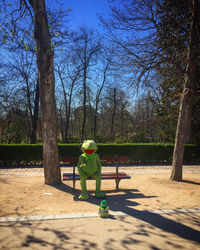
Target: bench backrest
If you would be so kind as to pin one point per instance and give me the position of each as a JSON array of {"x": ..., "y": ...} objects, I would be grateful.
[
  {"x": 69, "y": 160},
  {"x": 108, "y": 159},
  {"x": 105, "y": 159},
  {"x": 122, "y": 159}
]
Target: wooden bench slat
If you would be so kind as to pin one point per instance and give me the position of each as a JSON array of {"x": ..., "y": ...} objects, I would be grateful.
[
  {"x": 69, "y": 176},
  {"x": 122, "y": 159},
  {"x": 110, "y": 159},
  {"x": 102, "y": 174},
  {"x": 70, "y": 159},
  {"x": 117, "y": 176},
  {"x": 107, "y": 159},
  {"x": 112, "y": 173}
]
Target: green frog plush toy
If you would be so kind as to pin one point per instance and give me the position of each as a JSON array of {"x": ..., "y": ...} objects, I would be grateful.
[
  {"x": 103, "y": 210},
  {"x": 89, "y": 165}
]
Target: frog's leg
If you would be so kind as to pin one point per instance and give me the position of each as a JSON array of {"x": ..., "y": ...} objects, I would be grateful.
[
  {"x": 98, "y": 193},
  {"x": 84, "y": 194}
]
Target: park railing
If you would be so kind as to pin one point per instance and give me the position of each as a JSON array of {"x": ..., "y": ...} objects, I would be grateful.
[{"x": 31, "y": 154}]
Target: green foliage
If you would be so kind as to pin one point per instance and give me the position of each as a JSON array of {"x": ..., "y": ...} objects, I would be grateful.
[
  {"x": 138, "y": 137},
  {"x": 172, "y": 39},
  {"x": 16, "y": 132},
  {"x": 196, "y": 114},
  {"x": 16, "y": 154},
  {"x": 139, "y": 152},
  {"x": 192, "y": 153},
  {"x": 69, "y": 150}
]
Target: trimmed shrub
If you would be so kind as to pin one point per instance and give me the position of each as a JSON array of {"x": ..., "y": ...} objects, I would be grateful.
[
  {"x": 69, "y": 150},
  {"x": 31, "y": 154},
  {"x": 140, "y": 152},
  {"x": 21, "y": 154}
]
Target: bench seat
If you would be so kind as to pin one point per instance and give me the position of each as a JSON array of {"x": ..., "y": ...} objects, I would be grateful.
[
  {"x": 117, "y": 176},
  {"x": 106, "y": 175}
]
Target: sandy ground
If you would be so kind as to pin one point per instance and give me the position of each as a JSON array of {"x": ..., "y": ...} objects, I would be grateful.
[{"x": 23, "y": 192}]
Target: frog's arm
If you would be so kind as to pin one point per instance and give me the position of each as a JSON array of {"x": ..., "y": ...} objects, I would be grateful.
[
  {"x": 80, "y": 162},
  {"x": 98, "y": 164}
]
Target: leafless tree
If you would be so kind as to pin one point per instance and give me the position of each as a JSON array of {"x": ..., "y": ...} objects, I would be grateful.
[
  {"x": 87, "y": 47},
  {"x": 68, "y": 71},
  {"x": 191, "y": 79},
  {"x": 45, "y": 57},
  {"x": 99, "y": 93}
]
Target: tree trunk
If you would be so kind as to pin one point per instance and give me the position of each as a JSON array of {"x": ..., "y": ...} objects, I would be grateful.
[
  {"x": 47, "y": 93},
  {"x": 66, "y": 107},
  {"x": 68, "y": 110},
  {"x": 35, "y": 114},
  {"x": 189, "y": 128},
  {"x": 68, "y": 115},
  {"x": 122, "y": 132},
  {"x": 61, "y": 125},
  {"x": 191, "y": 77},
  {"x": 84, "y": 104},
  {"x": 98, "y": 99},
  {"x": 113, "y": 114},
  {"x": 95, "y": 120}
]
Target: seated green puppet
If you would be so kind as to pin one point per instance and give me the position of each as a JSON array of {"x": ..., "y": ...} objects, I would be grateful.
[{"x": 89, "y": 165}]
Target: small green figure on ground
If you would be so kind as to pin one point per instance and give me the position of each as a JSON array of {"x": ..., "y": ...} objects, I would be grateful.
[
  {"x": 103, "y": 210},
  {"x": 89, "y": 165}
]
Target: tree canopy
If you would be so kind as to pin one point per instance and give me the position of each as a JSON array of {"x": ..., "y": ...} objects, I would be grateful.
[{"x": 122, "y": 83}]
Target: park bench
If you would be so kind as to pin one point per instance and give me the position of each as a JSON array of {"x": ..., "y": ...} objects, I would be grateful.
[{"x": 117, "y": 176}]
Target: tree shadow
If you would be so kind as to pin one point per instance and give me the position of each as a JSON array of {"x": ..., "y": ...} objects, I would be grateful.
[
  {"x": 166, "y": 224},
  {"x": 191, "y": 182},
  {"x": 66, "y": 189},
  {"x": 157, "y": 220},
  {"x": 3, "y": 180},
  {"x": 117, "y": 200},
  {"x": 38, "y": 234},
  {"x": 122, "y": 200}
]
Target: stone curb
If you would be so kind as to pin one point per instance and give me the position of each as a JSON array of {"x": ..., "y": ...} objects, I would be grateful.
[{"x": 94, "y": 215}]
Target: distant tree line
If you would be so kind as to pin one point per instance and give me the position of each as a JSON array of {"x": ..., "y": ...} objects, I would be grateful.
[{"x": 121, "y": 86}]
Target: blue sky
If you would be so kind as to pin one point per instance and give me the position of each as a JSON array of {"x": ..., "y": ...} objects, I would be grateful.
[{"x": 83, "y": 11}]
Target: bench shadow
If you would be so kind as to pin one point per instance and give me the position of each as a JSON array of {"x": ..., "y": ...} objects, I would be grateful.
[
  {"x": 66, "y": 189},
  {"x": 118, "y": 200},
  {"x": 166, "y": 224},
  {"x": 122, "y": 200}
]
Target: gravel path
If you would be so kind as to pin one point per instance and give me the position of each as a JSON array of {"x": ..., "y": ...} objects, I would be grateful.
[{"x": 131, "y": 170}]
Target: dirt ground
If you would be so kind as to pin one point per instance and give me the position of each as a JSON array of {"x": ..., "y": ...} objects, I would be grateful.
[{"x": 146, "y": 190}]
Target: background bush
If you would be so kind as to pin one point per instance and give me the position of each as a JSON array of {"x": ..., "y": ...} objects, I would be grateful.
[{"x": 21, "y": 154}]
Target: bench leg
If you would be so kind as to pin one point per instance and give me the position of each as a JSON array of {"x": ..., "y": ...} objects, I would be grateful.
[
  {"x": 74, "y": 178},
  {"x": 117, "y": 183},
  {"x": 117, "y": 173},
  {"x": 74, "y": 182}
]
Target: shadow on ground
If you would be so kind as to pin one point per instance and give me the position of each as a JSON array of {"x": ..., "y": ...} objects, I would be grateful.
[
  {"x": 121, "y": 200},
  {"x": 191, "y": 182},
  {"x": 131, "y": 232},
  {"x": 42, "y": 235}
]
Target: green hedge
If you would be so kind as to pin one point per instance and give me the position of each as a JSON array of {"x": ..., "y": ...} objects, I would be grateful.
[
  {"x": 137, "y": 153},
  {"x": 149, "y": 152},
  {"x": 20, "y": 154}
]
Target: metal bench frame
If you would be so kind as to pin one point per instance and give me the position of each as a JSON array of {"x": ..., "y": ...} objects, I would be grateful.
[{"x": 117, "y": 176}]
